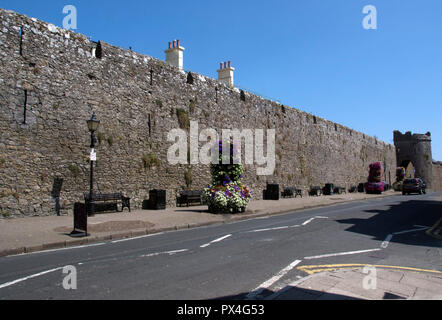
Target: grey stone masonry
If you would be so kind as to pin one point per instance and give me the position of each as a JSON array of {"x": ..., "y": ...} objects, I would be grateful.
[{"x": 51, "y": 80}]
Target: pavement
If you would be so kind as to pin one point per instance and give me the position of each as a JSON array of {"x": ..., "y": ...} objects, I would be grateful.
[
  {"x": 33, "y": 234},
  {"x": 365, "y": 283}
]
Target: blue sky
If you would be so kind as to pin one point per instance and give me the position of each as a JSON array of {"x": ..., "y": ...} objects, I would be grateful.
[{"x": 310, "y": 54}]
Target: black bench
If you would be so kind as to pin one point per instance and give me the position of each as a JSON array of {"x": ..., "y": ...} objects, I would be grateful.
[
  {"x": 107, "y": 202},
  {"x": 189, "y": 197},
  {"x": 353, "y": 189},
  {"x": 315, "y": 191},
  {"x": 291, "y": 192},
  {"x": 339, "y": 190}
]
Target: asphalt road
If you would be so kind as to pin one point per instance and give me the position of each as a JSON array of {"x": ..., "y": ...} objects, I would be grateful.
[{"x": 241, "y": 260}]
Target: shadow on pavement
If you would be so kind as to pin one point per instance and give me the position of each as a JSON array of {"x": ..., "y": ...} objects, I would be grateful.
[
  {"x": 290, "y": 293},
  {"x": 403, "y": 216}
]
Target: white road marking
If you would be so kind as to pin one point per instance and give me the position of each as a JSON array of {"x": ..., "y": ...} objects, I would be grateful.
[
  {"x": 7, "y": 284},
  {"x": 420, "y": 226},
  {"x": 311, "y": 219},
  {"x": 140, "y": 237},
  {"x": 269, "y": 229},
  {"x": 340, "y": 254},
  {"x": 165, "y": 252},
  {"x": 216, "y": 240},
  {"x": 308, "y": 221},
  {"x": 411, "y": 230},
  {"x": 386, "y": 242},
  {"x": 272, "y": 280},
  {"x": 286, "y": 227}
]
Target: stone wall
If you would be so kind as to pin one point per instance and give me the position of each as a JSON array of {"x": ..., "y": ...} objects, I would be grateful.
[
  {"x": 51, "y": 82},
  {"x": 437, "y": 176}
]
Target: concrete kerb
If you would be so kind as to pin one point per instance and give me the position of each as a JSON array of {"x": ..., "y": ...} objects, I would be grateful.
[{"x": 130, "y": 234}]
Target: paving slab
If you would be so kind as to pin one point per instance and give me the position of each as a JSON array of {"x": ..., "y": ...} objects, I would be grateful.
[{"x": 348, "y": 284}]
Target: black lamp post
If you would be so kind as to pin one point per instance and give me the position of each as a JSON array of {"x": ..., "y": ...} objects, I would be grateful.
[{"x": 92, "y": 125}]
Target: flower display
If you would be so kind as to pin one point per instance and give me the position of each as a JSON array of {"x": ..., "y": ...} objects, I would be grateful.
[
  {"x": 374, "y": 182},
  {"x": 227, "y": 194}
]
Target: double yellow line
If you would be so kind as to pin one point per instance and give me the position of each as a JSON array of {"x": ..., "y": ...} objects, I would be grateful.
[{"x": 333, "y": 267}]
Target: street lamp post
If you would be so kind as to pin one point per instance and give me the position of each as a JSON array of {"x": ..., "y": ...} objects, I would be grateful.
[{"x": 92, "y": 125}]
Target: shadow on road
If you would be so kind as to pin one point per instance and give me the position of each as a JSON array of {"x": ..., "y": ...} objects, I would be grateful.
[{"x": 402, "y": 216}]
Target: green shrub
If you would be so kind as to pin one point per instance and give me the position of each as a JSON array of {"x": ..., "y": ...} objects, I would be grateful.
[
  {"x": 150, "y": 160},
  {"x": 188, "y": 177},
  {"x": 183, "y": 119},
  {"x": 73, "y": 168}
]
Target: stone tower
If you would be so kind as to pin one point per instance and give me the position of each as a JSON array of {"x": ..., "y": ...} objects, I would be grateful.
[{"x": 415, "y": 148}]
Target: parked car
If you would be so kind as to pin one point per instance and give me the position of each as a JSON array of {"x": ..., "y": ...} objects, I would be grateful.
[{"x": 415, "y": 185}]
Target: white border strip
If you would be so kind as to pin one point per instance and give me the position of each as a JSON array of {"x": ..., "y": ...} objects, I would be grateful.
[
  {"x": 216, "y": 240},
  {"x": 340, "y": 254},
  {"x": 272, "y": 280},
  {"x": 7, "y": 284}
]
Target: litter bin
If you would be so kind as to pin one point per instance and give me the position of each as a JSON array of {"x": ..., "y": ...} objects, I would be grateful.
[
  {"x": 80, "y": 220},
  {"x": 157, "y": 200},
  {"x": 272, "y": 192},
  {"x": 328, "y": 189}
]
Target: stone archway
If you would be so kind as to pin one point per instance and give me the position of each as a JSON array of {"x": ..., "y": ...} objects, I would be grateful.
[{"x": 410, "y": 170}]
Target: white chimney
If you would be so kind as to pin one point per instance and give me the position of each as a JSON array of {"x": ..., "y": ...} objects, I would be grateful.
[
  {"x": 174, "y": 55},
  {"x": 225, "y": 73}
]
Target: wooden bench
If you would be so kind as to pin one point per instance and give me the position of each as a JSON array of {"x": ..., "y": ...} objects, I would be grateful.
[
  {"x": 189, "y": 197},
  {"x": 107, "y": 202},
  {"x": 291, "y": 192}
]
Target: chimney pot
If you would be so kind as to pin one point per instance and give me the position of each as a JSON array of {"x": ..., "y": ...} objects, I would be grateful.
[
  {"x": 225, "y": 66},
  {"x": 174, "y": 55},
  {"x": 220, "y": 65},
  {"x": 229, "y": 64}
]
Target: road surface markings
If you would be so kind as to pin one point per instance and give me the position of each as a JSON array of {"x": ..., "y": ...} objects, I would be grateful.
[
  {"x": 311, "y": 219},
  {"x": 165, "y": 252},
  {"x": 340, "y": 254},
  {"x": 387, "y": 240},
  {"x": 287, "y": 227},
  {"x": 272, "y": 280},
  {"x": 269, "y": 229},
  {"x": 140, "y": 237},
  {"x": 333, "y": 267},
  {"x": 436, "y": 230},
  {"x": 411, "y": 230},
  {"x": 216, "y": 240},
  {"x": 7, "y": 284}
]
